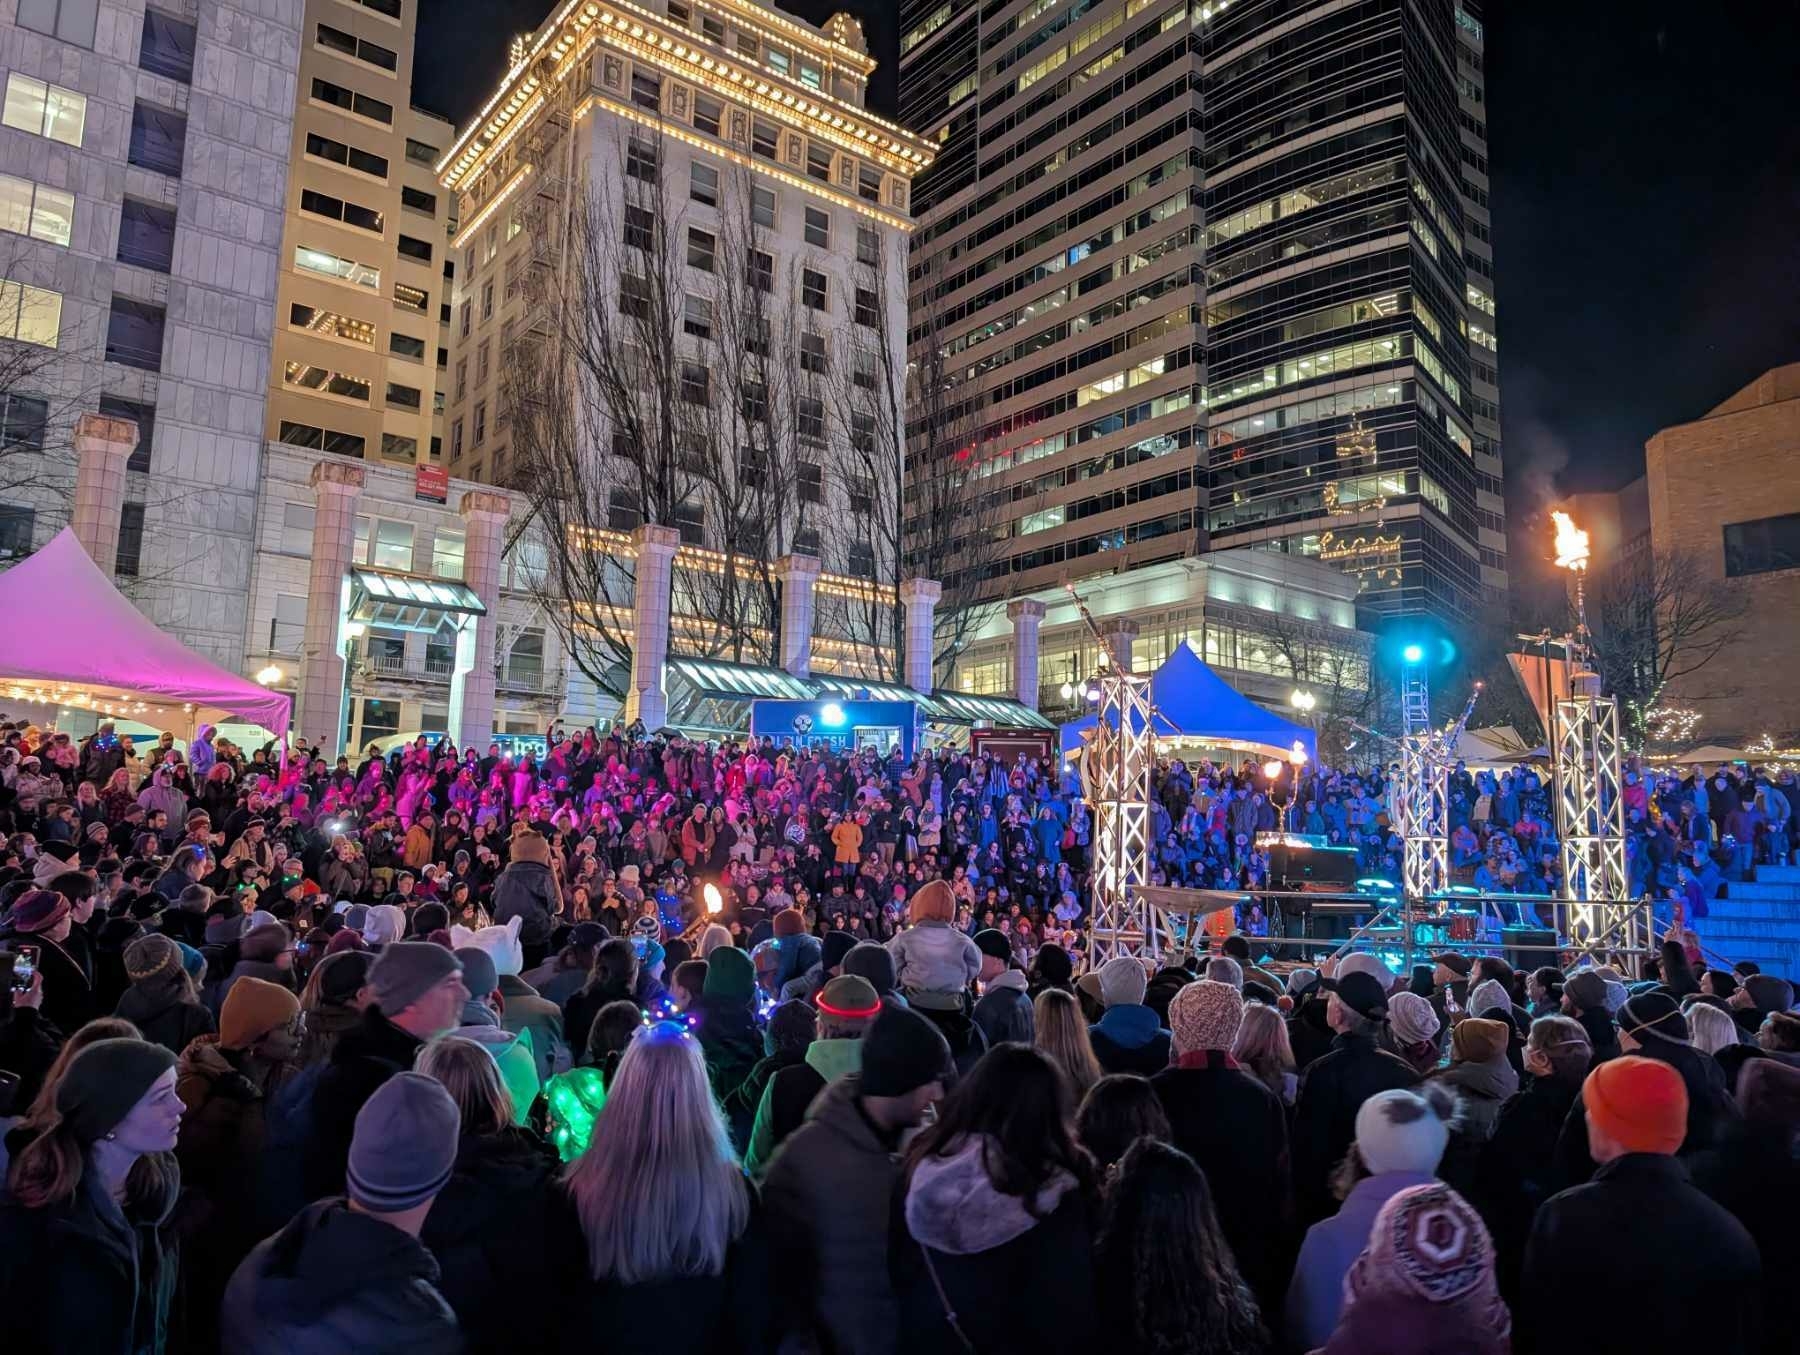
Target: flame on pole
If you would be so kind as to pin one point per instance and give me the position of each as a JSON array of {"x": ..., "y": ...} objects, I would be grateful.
[{"x": 1572, "y": 553}]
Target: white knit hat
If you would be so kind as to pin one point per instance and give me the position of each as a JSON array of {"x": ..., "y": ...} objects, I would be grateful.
[
  {"x": 1412, "y": 1017},
  {"x": 1403, "y": 1131},
  {"x": 1123, "y": 981},
  {"x": 1362, "y": 962}
]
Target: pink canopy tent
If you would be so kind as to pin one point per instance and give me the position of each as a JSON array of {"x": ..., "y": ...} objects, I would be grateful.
[{"x": 84, "y": 632}]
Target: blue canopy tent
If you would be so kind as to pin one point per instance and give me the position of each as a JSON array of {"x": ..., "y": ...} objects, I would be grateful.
[{"x": 1191, "y": 701}]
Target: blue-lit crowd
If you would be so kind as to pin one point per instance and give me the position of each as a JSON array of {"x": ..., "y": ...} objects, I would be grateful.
[{"x": 647, "y": 1043}]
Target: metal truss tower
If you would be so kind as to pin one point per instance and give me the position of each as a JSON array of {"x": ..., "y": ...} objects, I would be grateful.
[
  {"x": 1590, "y": 820},
  {"x": 1422, "y": 804},
  {"x": 1116, "y": 768}
]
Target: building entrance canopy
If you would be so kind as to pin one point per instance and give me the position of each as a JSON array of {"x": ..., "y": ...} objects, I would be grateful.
[{"x": 408, "y": 602}]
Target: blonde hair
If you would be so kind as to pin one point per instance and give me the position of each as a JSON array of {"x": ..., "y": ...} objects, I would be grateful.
[
  {"x": 1061, "y": 1035},
  {"x": 658, "y": 1190},
  {"x": 1263, "y": 1047},
  {"x": 472, "y": 1078},
  {"x": 1710, "y": 1028}
]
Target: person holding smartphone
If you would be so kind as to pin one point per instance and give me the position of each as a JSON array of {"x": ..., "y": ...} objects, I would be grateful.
[{"x": 43, "y": 918}]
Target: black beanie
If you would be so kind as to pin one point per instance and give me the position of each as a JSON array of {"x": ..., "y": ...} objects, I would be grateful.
[
  {"x": 873, "y": 962},
  {"x": 1654, "y": 1016},
  {"x": 1054, "y": 966},
  {"x": 837, "y": 945},
  {"x": 994, "y": 945},
  {"x": 104, "y": 1081},
  {"x": 901, "y": 1052}
]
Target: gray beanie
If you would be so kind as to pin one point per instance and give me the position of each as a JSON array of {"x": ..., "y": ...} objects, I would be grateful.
[
  {"x": 406, "y": 970},
  {"x": 1489, "y": 996},
  {"x": 480, "y": 976},
  {"x": 404, "y": 1146},
  {"x": 1122, "y": 982}
]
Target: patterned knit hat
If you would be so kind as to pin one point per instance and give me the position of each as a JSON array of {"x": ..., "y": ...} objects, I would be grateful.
[
  {"x": 1413, "y": 1018},
  {"x": 1428, "y": 1246},
  {"x": 151, "y": 955},
  {"x": 1206, "y": 1015}
]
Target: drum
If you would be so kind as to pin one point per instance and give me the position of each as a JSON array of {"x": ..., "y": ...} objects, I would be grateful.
[{"x": 1463, "y": 927}]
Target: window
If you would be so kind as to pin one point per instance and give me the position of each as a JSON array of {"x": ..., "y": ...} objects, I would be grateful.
[
  {"x": 45, "y": 110},
  {"x": 28, "y": 208},
  {"x": 861, "y": 491},
  {"x": 696, "y": 383},
  {"x": 462, "y": 378},
  {"x": 678, "y": 12},
  {"x": 144, "y": 416},
  {"x": 868, "y": 246},
  {"x": 402, "y": 397},
  {"x": 456, "y": 441},
  {"x": 23, "y": 419},
  {"x": 287, "y": 627},
  {"x": 703, "y": 184},
  {"x": 30, "y": 314},
  {"x": 818, "y": 161},
  {"x": 697, "y": 316},
  {"x": 811, "y": 419},
  {"x": 812, "y": 289},
  {"x": 690, "y": 521},
  {"x": 406, "y": 346},
  {"x": 859, "y": 561},
  {"x": 447, "y": 547},
  {"x": 324, "y": 91},
  {"x": 481, "y": 362},
  {"x": 707, "y": 113},
  {"x": 646, "y": 89},
  {"x": 66, "y": 20},
  {"x": 818, "y": 227},
  {"x": 809, "y": 482},
  {"x": 764, "y": 138},
  {"x": 134, "y": 334},
  {"x": 131, "y": 540},
  {"x": 755, "y": 402},
  {"x": 779, "y": 59},
  {"x": 641, "y": 160},
  {"x": 393, "y": 545},
  {"x": 862, "y": 371},
  {"x": 806, "y": 541},
  {"x": 702, "y": 249},
  {"x": 297, "y": 528},
  {"x": 762, "y": 207},
  {"x": 812, "y": 354},
  {"x": 868, "y": 184},
  {"x": 713, "y": 27},
  {"x": 414, "y": 249},
  {"x": 640, "y": 228},
  {"x": 862, "y": 432},
  {"x": 345, "y": 44},
  {"x": 811, "y": 76},
  {"x": 15, "y": 531},
  {"x": 167, "y": 47},
  {"x": 623, "y": 514},
  {"x": 158, "y": 139},
  {"x": 867, "y": 313},
  {"x": 342, "y": 153},
  {"x": 344, "y": 270},
  {"x": 331, "y": 324},
  {"x": 634, "y": 297},
  {"x": 468, "y": 314},
  {"x": 761, "y": 270},
  {"x": 336, "y": 209},
  {"x": 397, "y": 448},
  {"x": 321, "y": 440},
  {"x": 748, "y": 44},
  {"x": 480, "y": 422},
  {"x": 1763, "y": 546},
  {"x": 345, "y": 385}
]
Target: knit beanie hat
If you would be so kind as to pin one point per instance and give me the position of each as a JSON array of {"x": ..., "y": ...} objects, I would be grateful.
[
  {"x": 1769, "y": 992},
  {"x": 789, "y": 922},
  {"x": 254, "y": 1007},
  {"x": 1054, "y": 965},
  {"x": 386, "y": 924},
  {"x": 263, "y": 944},
  {"x": 104, "y": 1081},
  {"x": 1641, "y": 1104},
  {"x": 836, "y": 946},
  {"x": 1768, "y": 1092},
  {"x": 38, "y": 910},
  {"x": 730, "y": 976},
  {"x": 994, "y": 945},
  {"x": 715, "y": 936},
  {"x": 792, "y": 1026},
  {"x": 406, "y": 971},
  {"x": 1653, "y": 1016},
  {"x": 342, "y": 976},
  {"x": 1205, "y": 1014},
  {"x": 1428, "y": 1247},
  {"x": 404, "y": 1146},
  {"x": 150, "y": 955},
  {"x": 1413, "y": 1018},
  {"x": 428, "y": 918},
  {"x": 1477, "y": 1040},
  {"x": 192, "y": 961},
  {"x": 479, "y": 975},
  {"x": 346, "y": 940},
  {"x": 849, "y": 998},
  {"x": 873, "y": 962},
  {"x": 1587, "y": 990},
  {"x": 933, "y": 903},
  {"x": 901, "y": 1052},
  {"x": 1122, "y": 982},
  {"x": 1489, "y": 997},
  {"x": 1403, "y": 1131}
]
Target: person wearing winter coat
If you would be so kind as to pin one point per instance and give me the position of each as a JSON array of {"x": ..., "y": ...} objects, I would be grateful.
[
  {"x": 829, "y": 1192},
  {"x": 1235, "y": 1128},
  {"x": 45, "y": 919},
  {"x": 488, "y": 1227},
  {"x": 527, "y": 889},
  {"x": 350, "y": 1274},
  {"x": 1584, "y": 1000},
  {"x": 1621, "y": 1231},
  {"x": 1334, "y": 1087},
  {"x": 1400, "y": 1139},
  {"x": 725, "y": 1024},
  {"x": 90, "y": 1259},
  {"x": 162, "y": 1001},
  {"x": 847, "y": 1006},
  {"x": 265, "y": 952},
  {"x": 931, "y": 955},
  {"x": 832, "y": 951},
  {"x": 1128, "y": 1037},
  {"x": 480, "y": 1025},
  {"x": 1004, "y": 1010},
  {"x": 521, "y": 1010},
  {"x": 1480, "y": 1075},
  {"x": 996, "y": 1195}
]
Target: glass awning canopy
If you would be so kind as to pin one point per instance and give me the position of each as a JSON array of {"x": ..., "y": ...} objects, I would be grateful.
[
  {"x": 408, "y": 602},
  {"x": 718, "y": 680}
]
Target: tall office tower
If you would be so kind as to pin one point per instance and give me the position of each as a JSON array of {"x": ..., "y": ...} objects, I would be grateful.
[
  {"x": 1196, "y": 272},
  {"x": 143, "y": 161},
  {"x": 364, "y": 274}
]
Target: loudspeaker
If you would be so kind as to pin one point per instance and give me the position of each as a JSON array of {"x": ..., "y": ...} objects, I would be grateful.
[{"x": 1528, "y": 948}]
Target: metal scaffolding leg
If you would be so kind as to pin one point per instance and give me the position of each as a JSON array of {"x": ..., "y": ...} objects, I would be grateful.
[
  {"x": 1117, "y": 770},
  {"x": 1424, "y": 808},
  {"x": 1590, "y": 817}
]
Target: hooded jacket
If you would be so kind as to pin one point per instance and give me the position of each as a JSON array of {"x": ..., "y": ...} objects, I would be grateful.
[
  {"x": 1315, "y": 1298},
  {"x": 1129, "y": 1038},
  {"x": 512, "y": 1053},
  {"x": 791, "y": 1092},
  {"x": 934, "y": 956},
  {"x": 527, "y": 889},
  {"x": 335, "y": 1280},
  {"x": 1485, "y": 1087},
  {"x": 990, "y": 1252},
  {"x": 1005, "y": 1013},
  {"x": 163, "y": 1018}
]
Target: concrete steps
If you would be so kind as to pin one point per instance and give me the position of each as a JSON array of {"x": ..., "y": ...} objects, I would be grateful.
[{"x": 1758, "y": 920}]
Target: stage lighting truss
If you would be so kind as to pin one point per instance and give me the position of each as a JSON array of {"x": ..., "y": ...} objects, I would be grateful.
[
  {"x": 1590, "y": 814},
  {"x": 1116, "y": 768}
]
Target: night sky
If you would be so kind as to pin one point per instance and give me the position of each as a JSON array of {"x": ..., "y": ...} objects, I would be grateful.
[{"x": 1645, "y": 163}]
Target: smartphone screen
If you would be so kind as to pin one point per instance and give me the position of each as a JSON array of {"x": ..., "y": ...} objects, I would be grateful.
[{"x": 24, "y": 968}]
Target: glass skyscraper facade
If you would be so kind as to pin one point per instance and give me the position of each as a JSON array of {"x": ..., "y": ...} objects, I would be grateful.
[{"x": 1208, "y": 276}]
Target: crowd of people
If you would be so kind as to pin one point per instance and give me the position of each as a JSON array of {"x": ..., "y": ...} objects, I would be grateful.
[{"x": 653, "y": 1044}]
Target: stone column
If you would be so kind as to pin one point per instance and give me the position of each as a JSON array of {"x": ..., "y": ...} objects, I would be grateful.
[
  {"x": 337, "y": 485},
  {"x": 484, "y": 513},
  {"x": 920, "y": 598},
  {"x": 102, "y": 447},
  {"x": 1025, "y": 615},
  {"x": 648, "y": 699},
  {"x": 798, "y": 574},
  {"x": 1120, "y": 633}
]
